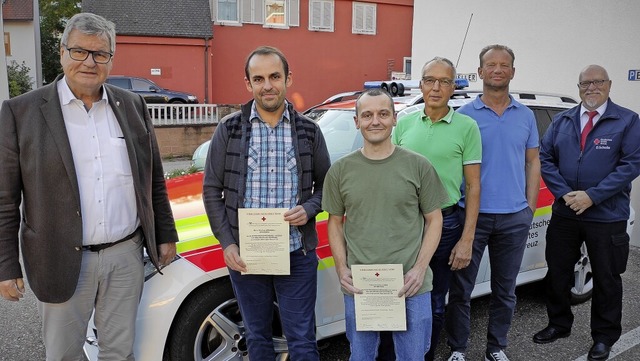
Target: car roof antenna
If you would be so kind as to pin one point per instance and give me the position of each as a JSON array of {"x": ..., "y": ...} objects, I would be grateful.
[{"x": 464, "y": 40}]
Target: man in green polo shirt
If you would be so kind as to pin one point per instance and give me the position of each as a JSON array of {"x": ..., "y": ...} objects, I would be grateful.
[{"x": 451, "y": 141}]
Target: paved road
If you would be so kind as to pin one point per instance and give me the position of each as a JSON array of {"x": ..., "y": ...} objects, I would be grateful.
[
  {"x": 530, "y": 317},
  {"x": 20, "y": 328}
]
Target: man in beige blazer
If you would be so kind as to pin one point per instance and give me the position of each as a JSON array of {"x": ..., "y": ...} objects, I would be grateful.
[{"x": 82, "y": 188}]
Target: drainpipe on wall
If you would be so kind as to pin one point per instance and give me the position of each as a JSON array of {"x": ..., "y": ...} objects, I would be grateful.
[
  {"x": 206, "y": 70},
  {"x": 38, "y": 41}
]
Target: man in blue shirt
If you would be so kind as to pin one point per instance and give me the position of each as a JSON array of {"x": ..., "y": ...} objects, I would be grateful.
[{"x": 509, "y": 183}]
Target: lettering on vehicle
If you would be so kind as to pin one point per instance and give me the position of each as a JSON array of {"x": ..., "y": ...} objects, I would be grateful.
[{"x": 532, "y": 240}]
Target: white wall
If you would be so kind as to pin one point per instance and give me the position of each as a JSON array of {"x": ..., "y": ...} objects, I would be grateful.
[
  {"x": 23, "y": 46},
  {"x": 552, "y": 40}
]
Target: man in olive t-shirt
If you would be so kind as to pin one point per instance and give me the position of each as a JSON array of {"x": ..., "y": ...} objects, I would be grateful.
[{"x": 392, "y": 198}]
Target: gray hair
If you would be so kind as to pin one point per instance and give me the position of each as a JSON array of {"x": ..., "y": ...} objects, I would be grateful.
[
  {"x": 91, "y": 24},
  {"x": 441, "y": 60}
]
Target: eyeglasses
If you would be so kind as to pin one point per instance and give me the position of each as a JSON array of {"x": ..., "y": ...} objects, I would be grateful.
[
  {"x": 429, "y": 82},
  {"x": 79, "y": 54},
  {"x": 587, "y": 84}
]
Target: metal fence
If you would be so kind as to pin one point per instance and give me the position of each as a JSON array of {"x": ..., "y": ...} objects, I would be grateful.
[{"x": 184, "y": 114}]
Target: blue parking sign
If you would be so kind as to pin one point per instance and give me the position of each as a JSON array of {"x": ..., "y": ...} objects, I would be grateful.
[{"x": 634, "y": 75}]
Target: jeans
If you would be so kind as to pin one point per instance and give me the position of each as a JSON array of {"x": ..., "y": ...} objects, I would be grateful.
[
  {"x": 410, "y": 345},
  {"x": 296, "y": 297},
  {"x": 608, "y": 249},
  {"x": 506, "y": 236},
  {"x": 451, "y": 232}
]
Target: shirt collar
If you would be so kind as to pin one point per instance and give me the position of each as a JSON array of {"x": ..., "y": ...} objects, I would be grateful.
[
  {"x": 447, "y": 118},
  {"x": 285, "y": 115},
  {"x": 478, "y": 103},
  {"x": 67, "y": 96},
  {"x": 601, "y": 109}
]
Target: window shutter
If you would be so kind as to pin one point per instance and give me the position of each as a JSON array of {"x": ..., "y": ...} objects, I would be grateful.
[
  {"x": 293, "y": 12},
  {"x": 321, "y": 15},
  {"x": 364, "y": 18}
]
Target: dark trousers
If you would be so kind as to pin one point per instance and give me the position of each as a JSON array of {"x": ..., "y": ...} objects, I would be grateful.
[
  {"x": 608, "y": 249},
  {"x": 439, "y": 264},
  {"x": 505, "y": 235},
  {"x": 296, "y": 297}
]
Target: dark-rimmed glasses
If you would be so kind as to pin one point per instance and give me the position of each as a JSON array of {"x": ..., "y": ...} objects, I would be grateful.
[
  {"x": 79, "y": 54},
  {"x": 586, "y": 84}
]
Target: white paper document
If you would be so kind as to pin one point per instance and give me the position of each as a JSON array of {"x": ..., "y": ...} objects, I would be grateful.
[
  {"x": 379, "y": 308},
  {"x": 264, "y": 240}
]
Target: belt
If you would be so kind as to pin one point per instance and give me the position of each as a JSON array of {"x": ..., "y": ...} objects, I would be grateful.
[
  {"x": 449, "y": 210},
  {"x": 101, "y": 246}
]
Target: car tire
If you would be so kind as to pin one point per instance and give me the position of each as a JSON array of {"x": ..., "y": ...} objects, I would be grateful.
[
  {"x": 394, "y": 89},
  {"x": 208, "y": 326},
  {"x": 177, "y": 113},
  {"x": 384, "y": 87},
  {"x": 582, "y": 289}
]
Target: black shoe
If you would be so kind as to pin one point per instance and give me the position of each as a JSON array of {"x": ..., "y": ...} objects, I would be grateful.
[
  {"x": 550, "y": 334},
  {"x": 599, "y": 351}
]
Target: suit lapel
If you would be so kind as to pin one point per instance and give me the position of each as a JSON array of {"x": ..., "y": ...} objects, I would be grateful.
[{"x": 52, "y": 114}]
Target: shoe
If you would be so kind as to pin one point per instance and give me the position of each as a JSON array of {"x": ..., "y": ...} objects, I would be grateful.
[
  {"x": 599, "y": 351},
  {"x": 550, "y": 334},
  {"x": 456, "y": 356},
  {"x": 495, "y": 356}
]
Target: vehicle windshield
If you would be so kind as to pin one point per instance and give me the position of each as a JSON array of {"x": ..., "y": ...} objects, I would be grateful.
[{"x": 340, "y": 133}]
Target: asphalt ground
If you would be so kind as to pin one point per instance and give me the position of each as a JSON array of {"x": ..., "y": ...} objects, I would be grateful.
[{"x": 20, "y": 328}]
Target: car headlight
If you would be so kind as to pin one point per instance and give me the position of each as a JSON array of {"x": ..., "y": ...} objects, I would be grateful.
[{"x": 192, "y": 97}]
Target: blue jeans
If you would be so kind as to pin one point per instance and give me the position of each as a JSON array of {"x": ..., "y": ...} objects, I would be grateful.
[
  {"x": 506, "y": 237},
  {"x": 296, "y": 297},
  {"x": 451, "y": 232},
  {"x": 410, "y": 345}
]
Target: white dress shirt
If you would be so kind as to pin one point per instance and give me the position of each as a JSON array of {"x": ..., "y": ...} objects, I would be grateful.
[
  {"x": 584, "y": 115},
  {"x": 107, "y": 195}
]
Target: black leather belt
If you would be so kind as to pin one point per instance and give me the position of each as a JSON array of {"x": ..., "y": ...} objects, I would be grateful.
[
  {"x": 449, "y": 210},
  {"x": 101, "y": 246}
]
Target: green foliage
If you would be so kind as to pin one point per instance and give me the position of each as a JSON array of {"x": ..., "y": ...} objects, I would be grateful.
[
  {"x": 180, "y": 172},
  {"x": 54, "y": 15},
  {"x": 19, "y": 79}
]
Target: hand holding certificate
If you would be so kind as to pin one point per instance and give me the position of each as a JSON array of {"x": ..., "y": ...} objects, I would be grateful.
[
  {"x": 264, "y": 240},
  {"x": 378, "y": 307}
]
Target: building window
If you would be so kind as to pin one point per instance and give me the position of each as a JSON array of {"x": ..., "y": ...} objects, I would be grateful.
[
  {"x": 407, "y": 67},
  {"x": 270, "y": 13},
  {"x": 227, "y": 11},
  {"x": 7, "y": 44},
  {"x": 321, "y": 15},
  {"x": 364, "y": 18},
  {"x": 275, "y": 13}
]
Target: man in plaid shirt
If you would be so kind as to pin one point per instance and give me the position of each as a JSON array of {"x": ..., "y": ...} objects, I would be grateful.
[{"x": 268, "y": 156}]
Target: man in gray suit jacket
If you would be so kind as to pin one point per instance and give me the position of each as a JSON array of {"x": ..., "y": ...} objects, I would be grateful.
[{"x": 82, "y": 159}]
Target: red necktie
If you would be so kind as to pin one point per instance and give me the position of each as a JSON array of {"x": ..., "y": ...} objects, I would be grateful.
[{"x": 587, "y": 128}]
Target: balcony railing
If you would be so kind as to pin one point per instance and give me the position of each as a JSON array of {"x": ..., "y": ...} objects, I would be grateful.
[{"x": 185, "y": 114}]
